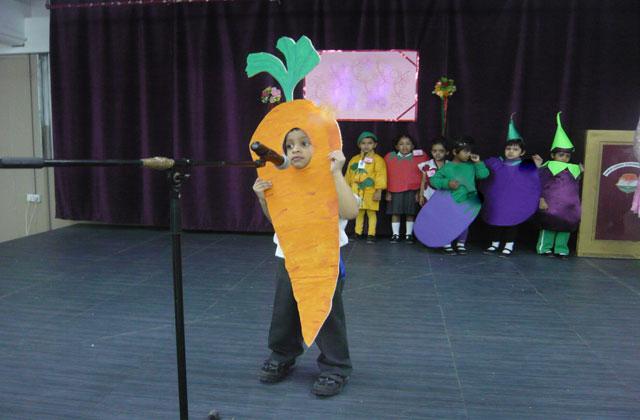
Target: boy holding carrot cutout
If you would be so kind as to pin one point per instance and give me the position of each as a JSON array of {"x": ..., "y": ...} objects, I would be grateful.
[
  {"x": 285, "y": 337},
  {"x": 308, "y": 204}
]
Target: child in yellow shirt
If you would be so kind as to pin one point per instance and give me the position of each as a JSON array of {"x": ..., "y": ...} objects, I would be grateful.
[{"x": 367, "y": 177}]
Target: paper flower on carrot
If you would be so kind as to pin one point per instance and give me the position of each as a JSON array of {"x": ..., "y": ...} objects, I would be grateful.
[
  {"x": 444, "y": 88},
  {"x": 270, "y": 95}
]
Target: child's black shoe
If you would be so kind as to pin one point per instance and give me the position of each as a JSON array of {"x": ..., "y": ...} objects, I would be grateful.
[
  {"x": 395, "y": 239},
  {"x": 356, "y": 237},
  {"x": 492, "y": 250},
  {"x": 272, "y": 371},
  {"x": 448, "y": 250},
  {"x": 371, "y": 239},
  {"x": 329, "y": 384},
  {"x": 408, "y": 239},
  {"x": 461, "y": 250},
  {"x": 506, "y": 252}
]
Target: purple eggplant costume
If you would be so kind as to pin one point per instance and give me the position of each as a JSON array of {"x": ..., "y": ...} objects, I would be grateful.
[
  {"x": 511, "y": 193},
  {"x": 562, "y": 193}
]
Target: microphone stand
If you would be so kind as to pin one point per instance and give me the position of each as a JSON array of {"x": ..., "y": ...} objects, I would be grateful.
[{"x": 177, "y": 173}]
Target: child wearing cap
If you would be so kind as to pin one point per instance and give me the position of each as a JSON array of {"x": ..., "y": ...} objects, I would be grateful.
[
  {"x": 367, "y": 177},
  {"x": 559, "y": 208},
  {"x": 511, "y": 193}
]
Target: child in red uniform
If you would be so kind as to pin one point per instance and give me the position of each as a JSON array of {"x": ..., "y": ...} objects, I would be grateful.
[{"x": 403, "y": 185}]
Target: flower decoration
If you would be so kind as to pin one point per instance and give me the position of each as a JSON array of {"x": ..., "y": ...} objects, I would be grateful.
[
  {"x": 444, "y": 88},
  {"x": 270, "y": 95}
]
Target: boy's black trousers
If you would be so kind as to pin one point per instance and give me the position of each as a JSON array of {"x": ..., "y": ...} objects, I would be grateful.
[{"x": 285, "y": 335}]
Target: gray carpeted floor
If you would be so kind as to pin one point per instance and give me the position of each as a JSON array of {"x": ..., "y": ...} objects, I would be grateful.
[{"x": 86, "y": 331}]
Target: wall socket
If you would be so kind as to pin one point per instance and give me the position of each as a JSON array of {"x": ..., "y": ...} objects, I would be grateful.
[{"x": 33, "y": 198}]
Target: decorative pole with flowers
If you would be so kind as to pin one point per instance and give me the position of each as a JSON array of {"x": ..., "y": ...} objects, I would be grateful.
[
  {"x": 444, "y": 88},
  {"x": 271, "y": 95}
]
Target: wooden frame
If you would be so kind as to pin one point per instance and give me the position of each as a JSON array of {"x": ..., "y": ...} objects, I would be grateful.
[{"x": 588, "y": 243}]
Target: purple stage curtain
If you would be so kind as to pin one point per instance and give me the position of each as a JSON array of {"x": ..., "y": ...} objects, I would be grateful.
[{"x": 168, "y": 79}]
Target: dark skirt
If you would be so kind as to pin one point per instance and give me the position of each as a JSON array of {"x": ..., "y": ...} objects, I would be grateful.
[{"x": 403, "y": 203}]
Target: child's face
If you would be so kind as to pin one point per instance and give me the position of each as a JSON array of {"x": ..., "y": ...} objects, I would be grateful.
[
  {"x": 404, "y": 145},
  {"x": 299, "y": 149},
  {"x": 463, "y": 155},
  {"x": 367, "y": 144},
  {"x": 561, "y": 156},
  {"x": 513, "y": 151},
  {"x": 438, "y": 152}
]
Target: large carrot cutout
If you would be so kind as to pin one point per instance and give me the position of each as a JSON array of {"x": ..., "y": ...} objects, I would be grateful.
[{"x": 303, "y": 203}]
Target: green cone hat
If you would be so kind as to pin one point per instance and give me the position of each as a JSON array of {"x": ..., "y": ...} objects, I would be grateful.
[
  {"x": 561, "y": 140},
  {"x": 513, "y": 132}
]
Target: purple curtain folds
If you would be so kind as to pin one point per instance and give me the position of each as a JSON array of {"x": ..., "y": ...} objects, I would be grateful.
[{"x": 138, "y": 81}]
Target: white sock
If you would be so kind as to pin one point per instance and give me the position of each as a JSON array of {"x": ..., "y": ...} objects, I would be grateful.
[
  {"x": 509, "y": 246},
  {"x": 447, "y": 246},
  {"x": 409, "y": 228},
  {"x": 461, "y": 244},
  {"x": 395, "y": 228},
  {"x": 496, "y": 244}
]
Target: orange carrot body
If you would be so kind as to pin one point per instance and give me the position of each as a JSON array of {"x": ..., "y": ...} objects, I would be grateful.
[{"x": 303, "y": 205}]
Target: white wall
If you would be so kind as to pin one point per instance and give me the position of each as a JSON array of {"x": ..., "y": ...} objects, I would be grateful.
[
  {"x": 29, "y": 22},
  {"x": 21, "y": 131},
  {"x": 12, "y": 14},
  {"x": 22, "y": 135}
]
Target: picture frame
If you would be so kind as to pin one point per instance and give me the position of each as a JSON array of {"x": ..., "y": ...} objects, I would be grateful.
[{"x": 608, "y": 228}]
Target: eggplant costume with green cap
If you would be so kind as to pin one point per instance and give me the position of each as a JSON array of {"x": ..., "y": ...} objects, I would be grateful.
[
  {"x": 561, "y": 190},
  {"x": 512, "y": 191}
]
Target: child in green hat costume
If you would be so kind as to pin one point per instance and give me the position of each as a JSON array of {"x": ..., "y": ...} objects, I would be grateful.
[
  {"x": 559, "y": 208},
  {"x": 511, "y": 193}
]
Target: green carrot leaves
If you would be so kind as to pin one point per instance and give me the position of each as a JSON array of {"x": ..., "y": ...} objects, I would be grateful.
[{"x": 301, "y": 58}]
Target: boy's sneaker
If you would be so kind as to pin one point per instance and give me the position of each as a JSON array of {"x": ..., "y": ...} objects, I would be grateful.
[
  {"x": 563, "y": 256},
  {"x": 329, "y": 384},
  {"x": 371, "y": 239},
  {"x": 272, "y": 371},
  {"x": 356, "y": 237},
  {"x": 409, "y": 239},
  {"x": 461, "y": 250},
  {"x": 395, "y": 239}
]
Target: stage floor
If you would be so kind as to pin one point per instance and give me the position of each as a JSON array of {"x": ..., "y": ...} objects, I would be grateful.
[{"x": 87, "y": 331}]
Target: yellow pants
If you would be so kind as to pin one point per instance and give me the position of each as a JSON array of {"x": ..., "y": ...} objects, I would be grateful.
[{"x": 372, "y": 215}]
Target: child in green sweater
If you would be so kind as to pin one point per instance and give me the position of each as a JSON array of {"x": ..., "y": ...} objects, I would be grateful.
[{"x": 459, "y": 176}]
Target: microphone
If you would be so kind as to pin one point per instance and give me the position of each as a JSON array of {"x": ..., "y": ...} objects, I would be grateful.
[{"x": 268, "y": 155}]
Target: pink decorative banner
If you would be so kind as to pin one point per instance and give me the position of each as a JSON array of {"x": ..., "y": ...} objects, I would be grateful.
[{"x": 366, "y": 85}]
